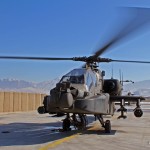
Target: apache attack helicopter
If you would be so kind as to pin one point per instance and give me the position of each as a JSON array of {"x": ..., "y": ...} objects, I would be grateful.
[{"x": 85, "y": 91}]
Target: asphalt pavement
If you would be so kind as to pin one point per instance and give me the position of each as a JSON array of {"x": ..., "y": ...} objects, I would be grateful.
[{"x": 32, "y": 131}]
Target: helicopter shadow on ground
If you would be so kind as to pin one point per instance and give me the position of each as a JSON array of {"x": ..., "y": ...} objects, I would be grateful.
[
  {"x": 37, "y": 133},
  {"x": 31, "y": 133},
  {"x": 99, "y": 132}
]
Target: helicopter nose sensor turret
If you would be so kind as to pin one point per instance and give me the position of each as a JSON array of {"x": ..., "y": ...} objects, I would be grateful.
[{"x": 61, "y": 96}]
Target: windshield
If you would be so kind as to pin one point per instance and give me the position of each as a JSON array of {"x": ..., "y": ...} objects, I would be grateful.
[{"x": 75, "y": 76}]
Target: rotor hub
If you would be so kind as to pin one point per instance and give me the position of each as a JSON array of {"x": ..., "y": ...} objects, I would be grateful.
[{"x": 91, "y": 59}]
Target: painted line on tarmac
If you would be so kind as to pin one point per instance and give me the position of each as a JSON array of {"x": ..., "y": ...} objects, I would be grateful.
[
  {"x": 58, "y": 142},
  {"x": 66, "y": 139}
]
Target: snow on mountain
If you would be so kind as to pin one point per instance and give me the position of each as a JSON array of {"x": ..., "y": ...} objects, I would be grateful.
[
  {"x": 138, "y": 88},
  {"x": 26, "y": 86}
]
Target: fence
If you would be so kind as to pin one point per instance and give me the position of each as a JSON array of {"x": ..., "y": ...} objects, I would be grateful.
[{"x": 16, "y": 101}]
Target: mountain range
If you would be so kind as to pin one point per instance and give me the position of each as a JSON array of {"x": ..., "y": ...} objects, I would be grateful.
[
  {"x": 138, "y": 88},
  {"x": 27, "y": 86}
]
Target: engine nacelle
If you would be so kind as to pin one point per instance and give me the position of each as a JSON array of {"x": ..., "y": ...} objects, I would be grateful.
[{"x": 112, "y": 86}]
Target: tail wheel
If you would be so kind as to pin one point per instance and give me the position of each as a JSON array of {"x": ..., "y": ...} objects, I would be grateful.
[{"x": 107, "y": 126}]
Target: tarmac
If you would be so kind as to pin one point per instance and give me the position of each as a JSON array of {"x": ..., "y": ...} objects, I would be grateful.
[{"x": 32, "y": 131}]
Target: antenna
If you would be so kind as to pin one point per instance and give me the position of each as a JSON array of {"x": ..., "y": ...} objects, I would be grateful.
[
  {"x": 112, "y": 71},
  {"x": 120, "y": 77}
]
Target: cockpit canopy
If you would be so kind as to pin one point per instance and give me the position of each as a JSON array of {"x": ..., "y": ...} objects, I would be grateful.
[
  {"x": 82, "y": 76},
  {"x": 75, "y": 76}
]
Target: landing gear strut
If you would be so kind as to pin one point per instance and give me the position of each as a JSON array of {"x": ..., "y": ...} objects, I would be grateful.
[
  {"x": 79, "y": 121},
  {"x": 105, "y": 124}
]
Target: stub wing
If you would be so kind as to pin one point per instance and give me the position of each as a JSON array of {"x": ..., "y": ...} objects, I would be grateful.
[
  {"x": 126, "y": 98},
  {"x": 122, "y": 99}
]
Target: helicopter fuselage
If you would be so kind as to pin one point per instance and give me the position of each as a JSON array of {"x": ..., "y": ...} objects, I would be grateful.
[
  {"x": 84, "y": 91},
  {"x": 80, "y": 91}
]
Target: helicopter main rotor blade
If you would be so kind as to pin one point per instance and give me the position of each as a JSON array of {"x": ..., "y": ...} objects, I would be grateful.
[
  {"x": 33, "y": 58},
  {"x": 83, "y": 59},
  {"x": 130, "y": 61},
  {"x": 140, "y": 18}
]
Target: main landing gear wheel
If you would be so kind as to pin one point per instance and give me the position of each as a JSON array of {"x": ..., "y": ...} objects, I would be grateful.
[
  {"x": 66, "y": 125},
  {"x": 107, "y": 126}
]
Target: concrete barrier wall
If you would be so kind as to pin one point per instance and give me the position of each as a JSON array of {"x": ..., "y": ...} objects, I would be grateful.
[{"x": 15, "y": 101}]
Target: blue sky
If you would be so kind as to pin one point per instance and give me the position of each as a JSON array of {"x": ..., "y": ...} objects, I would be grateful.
[{"x": 66, "y": 28}]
